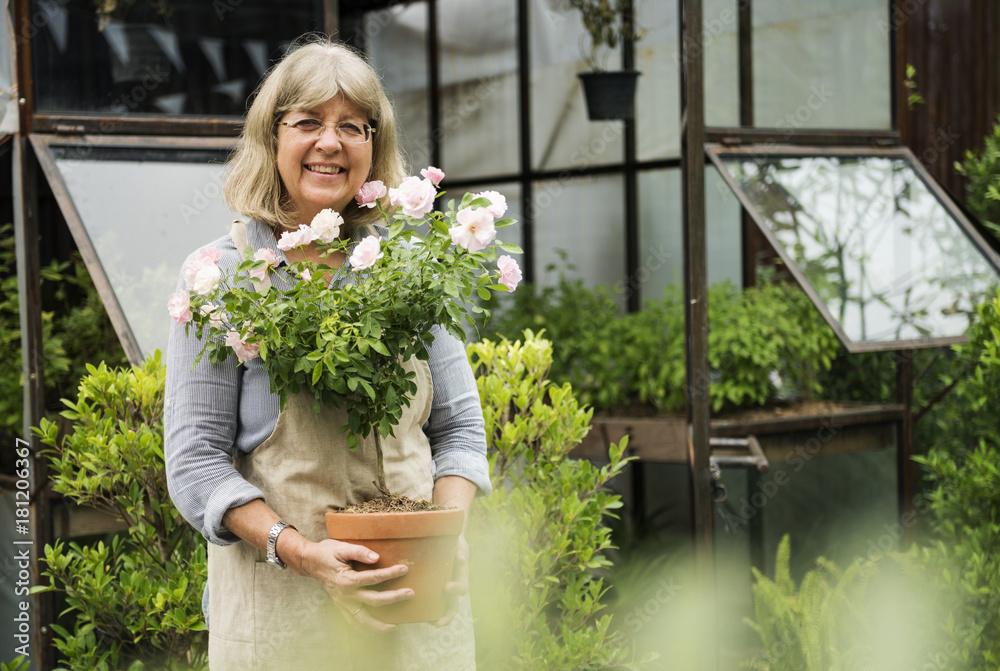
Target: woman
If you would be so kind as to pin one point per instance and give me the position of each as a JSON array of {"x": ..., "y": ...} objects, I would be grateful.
[{"x": 245, "y": 474}]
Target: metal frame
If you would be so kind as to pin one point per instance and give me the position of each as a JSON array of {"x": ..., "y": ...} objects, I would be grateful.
[
  {"x": 42, "y": 145},
  {"x": 144, "y": 124},
  {"x": 695, "y": 272},
  {"x": 716, "y": 154}
]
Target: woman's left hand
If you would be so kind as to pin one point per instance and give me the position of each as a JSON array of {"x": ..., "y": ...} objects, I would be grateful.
[{"x": 459, "y": 585}]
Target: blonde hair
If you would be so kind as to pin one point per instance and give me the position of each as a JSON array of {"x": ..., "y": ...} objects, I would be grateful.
[{"x": 314, "y": 70}]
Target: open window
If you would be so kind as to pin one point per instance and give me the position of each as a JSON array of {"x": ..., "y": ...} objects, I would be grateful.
[
  {"x": 884, "y": 254},
  {"x": 136, "y": 207}
]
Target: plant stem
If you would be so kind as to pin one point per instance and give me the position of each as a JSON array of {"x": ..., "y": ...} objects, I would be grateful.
[{"x": 381, "y": 467}]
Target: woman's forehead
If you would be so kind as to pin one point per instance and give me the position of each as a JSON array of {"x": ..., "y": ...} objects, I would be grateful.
[{"x": 338, "y": 105}]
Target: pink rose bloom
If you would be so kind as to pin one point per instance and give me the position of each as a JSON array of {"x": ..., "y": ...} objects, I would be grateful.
[
  {"x": 210, "y": 254},
  {"x": 475, "y": 229},
  {"x": 435, "y": 175},
  {"x": 293, "y": 239},
  {"x": 370, "y": 192},
  {"x": 206, "y": 257},
  {"x": 414, "y": 195},
  {"x": 179, "y": 307},
  {"x": 510, "y": 272},
  {"x": 215, "y": 315},
  {"x": 206, "y": 279},
  {"x": 366, "y": 253},
  {"x": 244, "y": 352},
  {"x": 268, "y": 257},
  {"x": 306, "y": 275},
  {"x": 326, "y": 225},
  {"x": 498, "y": 203}
]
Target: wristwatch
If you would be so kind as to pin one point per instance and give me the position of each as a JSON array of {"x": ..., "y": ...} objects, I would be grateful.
[{"x": 272, "y": 542}]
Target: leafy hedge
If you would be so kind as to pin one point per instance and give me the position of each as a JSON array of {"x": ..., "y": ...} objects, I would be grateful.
[{"x": 764, "y": 343}]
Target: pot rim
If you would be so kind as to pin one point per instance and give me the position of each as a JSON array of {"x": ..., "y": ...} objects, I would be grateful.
[{"x": 414, "y": 524}]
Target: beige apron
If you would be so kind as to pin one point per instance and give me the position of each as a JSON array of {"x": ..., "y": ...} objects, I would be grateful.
[{"x": 264, "y": 619}]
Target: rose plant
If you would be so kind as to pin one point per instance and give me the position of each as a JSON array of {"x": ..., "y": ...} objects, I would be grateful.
[{"x": 345, "y": 340}]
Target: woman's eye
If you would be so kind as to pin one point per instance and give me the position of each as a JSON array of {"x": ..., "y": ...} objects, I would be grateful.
[
  {"x": 352, "y": 130},
  {"x": 307, "y": 125}
]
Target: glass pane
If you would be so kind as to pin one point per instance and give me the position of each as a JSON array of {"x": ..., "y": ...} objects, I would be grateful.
[
  {"x": 145, "y": 211},
  {"x": 723, "y": 231},
  {"x": 661, "y": 231},
  {"x": 585, "y": 218},
  {"x": 882, "y": 253},
  {"x": 821, "y": 64},
  {"x": 396, "y": 41},
  {"x": 8, "y": 99},
  {"x": 657, "y": 58},
  {"x": 180, "y": 57},
  {"x": 657, "y": 95},
  {"x": 722, "y": 62},
  {"x": 661, "y": 235},
  {"x": 561, "y": 134},
  {"x": 479, "y": 93},
  {"x": 834, "y": 504}
]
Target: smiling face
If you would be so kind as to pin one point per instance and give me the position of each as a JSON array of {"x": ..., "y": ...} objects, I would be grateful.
[{"x": 318, "y": 169}]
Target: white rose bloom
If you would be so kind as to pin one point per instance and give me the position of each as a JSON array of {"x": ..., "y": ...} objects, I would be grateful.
[
  {"x": 326, "y": 225},
  {"x": 207, "y": 279}
]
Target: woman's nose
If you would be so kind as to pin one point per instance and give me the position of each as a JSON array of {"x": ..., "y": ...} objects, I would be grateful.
[{"x": 329, "y": 138}]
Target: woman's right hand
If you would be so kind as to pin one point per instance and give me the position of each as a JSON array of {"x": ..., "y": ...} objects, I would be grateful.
[{"x": 328, "y": 561}]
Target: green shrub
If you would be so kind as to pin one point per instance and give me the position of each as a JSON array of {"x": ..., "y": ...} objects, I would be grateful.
[
  {"x": 964, "y": 502},
  {"x": 809, "y": 627},
  {"x": 136, "y": 600},
  {"x": 882, "y": 612},
  {"x": 967, "y": 416},
  {"x": 538, "y": 542},
  {"x": 74, "y": 331},
  {"x": 756, "y": 337},
  {"x": 982, "y": 169},
  {"x": 965, "y": 557}
]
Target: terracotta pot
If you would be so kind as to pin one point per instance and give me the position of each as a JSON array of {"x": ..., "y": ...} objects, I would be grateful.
[{"x": 423, "y": 541}]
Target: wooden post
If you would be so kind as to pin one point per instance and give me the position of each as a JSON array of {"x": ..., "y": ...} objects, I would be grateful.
[
  {"x": 695, "y": 274},
  {"x": 696, "y": 312}
]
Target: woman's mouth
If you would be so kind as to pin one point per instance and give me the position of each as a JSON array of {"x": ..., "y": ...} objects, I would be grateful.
[{"x": 325, "y": 169}]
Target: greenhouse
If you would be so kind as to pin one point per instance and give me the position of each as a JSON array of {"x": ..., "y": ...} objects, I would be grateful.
[{"x": 738, "y": 399}]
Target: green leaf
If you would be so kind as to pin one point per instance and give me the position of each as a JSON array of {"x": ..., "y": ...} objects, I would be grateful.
[{"x": 511, "y": 248}]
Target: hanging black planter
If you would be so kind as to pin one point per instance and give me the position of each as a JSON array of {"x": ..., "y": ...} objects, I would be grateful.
[{"x": 610, "y": 95}]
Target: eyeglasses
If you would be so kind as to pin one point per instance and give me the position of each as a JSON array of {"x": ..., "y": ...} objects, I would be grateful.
[{"x": 347, "y": 131}]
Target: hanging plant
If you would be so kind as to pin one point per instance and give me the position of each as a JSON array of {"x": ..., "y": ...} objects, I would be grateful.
[{"x": 610, "y": 95}]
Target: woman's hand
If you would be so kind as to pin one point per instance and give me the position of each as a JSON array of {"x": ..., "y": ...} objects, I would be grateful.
[
  {"x": 459, "y": 585},
  {"x": 328, "y": 561}
]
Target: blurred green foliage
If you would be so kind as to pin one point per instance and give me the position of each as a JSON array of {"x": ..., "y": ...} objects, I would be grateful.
[
  {"x": 135, "y": 601},
  {"x": 538, "y": 541}
]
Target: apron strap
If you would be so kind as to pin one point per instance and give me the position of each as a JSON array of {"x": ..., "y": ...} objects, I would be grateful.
[{"x": 238, "y": 233}]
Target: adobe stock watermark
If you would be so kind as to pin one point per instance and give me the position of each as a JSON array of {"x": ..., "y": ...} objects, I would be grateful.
[
  {"x": 902, "y": 11},
  {"x": 770, "y": 487},
  {"x": 153, "y": 77},
  {"x": 655, "y": 259},
  {"x": 818, "y": 97},
  {"x": 455, "y": 115},
  {"x": 712, "y": 29},
  {"x": 22, "y": 549},
  {"x": 581, "y": 158},
  {"x": 202, "y": 197},
  {"x": 641, "y": 615},
  {"x": 42, "y": 16}
]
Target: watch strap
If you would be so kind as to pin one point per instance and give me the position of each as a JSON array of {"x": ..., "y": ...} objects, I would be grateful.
[{"x": 272, "y": 544}]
